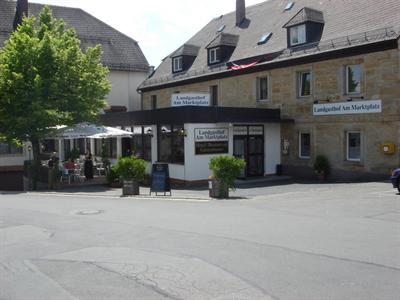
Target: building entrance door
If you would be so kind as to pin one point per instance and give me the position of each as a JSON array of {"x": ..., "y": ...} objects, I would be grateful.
[{"x": 248, "y": 143}]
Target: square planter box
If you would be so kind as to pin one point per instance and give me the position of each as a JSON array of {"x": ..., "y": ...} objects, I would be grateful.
[
  {"x": 218, "y": 190},
  {"x": 130, "y": 188}
]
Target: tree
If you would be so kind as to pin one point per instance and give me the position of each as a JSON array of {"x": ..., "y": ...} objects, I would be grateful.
[{"x": 47, "y": 80}]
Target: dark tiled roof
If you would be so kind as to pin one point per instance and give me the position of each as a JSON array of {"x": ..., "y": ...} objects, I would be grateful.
[
  {"x": 224, "y": 39},
  {"x": 305, "y": 15},
  {"x": 347, "y": 23},
  {"x": 120, "y": 52},
  {"x": 186, "y": 49}
]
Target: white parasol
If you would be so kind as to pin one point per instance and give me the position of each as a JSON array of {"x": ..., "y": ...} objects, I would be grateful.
[{"x": 92, "y": 131}]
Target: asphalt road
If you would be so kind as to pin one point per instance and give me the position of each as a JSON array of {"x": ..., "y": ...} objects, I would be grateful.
[{"x": 294, "y": 241}]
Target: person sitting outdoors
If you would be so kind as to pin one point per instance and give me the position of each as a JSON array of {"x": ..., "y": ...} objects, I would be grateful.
[{"x": 70, "y": 164}]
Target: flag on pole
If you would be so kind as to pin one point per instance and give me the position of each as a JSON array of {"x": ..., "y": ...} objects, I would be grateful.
[{"x": 234, "y": 66}]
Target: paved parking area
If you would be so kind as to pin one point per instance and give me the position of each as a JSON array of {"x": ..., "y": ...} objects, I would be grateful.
[{"x": 284, "y": 241}]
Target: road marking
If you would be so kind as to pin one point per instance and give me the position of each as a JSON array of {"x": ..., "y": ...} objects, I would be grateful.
[
  {"x": 385, "y": 193},
  {"x": 141, "y": 197}
]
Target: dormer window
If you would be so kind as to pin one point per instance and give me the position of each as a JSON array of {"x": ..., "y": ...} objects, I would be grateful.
[
  {"x": 220, "y": 49},
  {"x": 177, "y": 64},
  {"x": 183, "y": 58},
  {"x": 214, "y": 55},
  {"x": 298, "y": 35},
  {"x": 306, "y": 27}
]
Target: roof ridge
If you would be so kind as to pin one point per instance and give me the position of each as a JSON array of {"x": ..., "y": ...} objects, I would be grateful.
[
  {"x": 120, "y": 51},
  {"x": 76, "y": 8},
  {"x": 104, "y": 23},
  {"x": 247, "y": 7},
  {"x": 41, "y": 4}
]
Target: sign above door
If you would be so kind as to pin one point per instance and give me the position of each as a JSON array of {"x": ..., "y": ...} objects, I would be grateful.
[{"x": 190, "y": 99}]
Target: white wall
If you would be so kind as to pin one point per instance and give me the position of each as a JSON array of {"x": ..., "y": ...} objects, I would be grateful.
[
  {"x": 272, "y": 147},
  {"x": 196, "y": 166},
  {"x": 12, "y": 160},
  {"x": 123, "y": 89},
  {"x": 175, "y": 171}
]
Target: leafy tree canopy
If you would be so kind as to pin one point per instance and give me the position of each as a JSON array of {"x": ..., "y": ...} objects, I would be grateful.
[{"x": 47, "y": 80}]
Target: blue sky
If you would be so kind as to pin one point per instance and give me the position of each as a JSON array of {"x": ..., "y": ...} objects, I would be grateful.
[{"x": 160, "y": 26}]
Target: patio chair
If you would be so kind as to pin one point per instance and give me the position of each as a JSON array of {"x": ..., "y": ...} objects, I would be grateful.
[
  {"x": 100, "y": 168},
  {"x": 65, "y": 174},
  {"x": 78, "y": 176}
]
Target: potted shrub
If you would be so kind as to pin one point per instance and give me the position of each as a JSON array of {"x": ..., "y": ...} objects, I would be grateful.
[
  {"x": 225, "y": 170},
  {"x": 73, "y": 154},
  {"x": 322, "y": 167},
  {"x": 131, "y": 171},
  {"x": 112, "y": 178}
]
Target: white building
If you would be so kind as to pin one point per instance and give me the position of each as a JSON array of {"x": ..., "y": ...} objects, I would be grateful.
[{"x": 121, "y": 54}]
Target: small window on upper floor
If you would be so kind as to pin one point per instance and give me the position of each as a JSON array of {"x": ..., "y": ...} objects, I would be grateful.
[
  {"x": 262, "y": 89},
  {"x": 304, "y": 145},
  {"x": 153, "y": 101},
  {"x": 353, "y": 79},
  {"x": 214, "y": 95},
  {"x": 304, "y": 84},
  {"x": 298, "y": 35},
  {"x": 177, "y": 64},
  {"x": 353, "y": 146},
  {"x": 305, "y": 27},
  {"x": 214, "y": 55}
]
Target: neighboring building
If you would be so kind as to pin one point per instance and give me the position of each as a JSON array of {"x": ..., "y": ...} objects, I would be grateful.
[
  {"x": 121, "y": 54},
  {"x": 279, "y": 83}
]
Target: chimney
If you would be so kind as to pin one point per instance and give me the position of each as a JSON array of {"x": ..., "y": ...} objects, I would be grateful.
[
  {"x": 20, "y": 12},
  {"x": 240, "y": 11}
]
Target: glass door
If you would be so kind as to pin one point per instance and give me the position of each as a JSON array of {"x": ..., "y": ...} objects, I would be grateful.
[
  {"x": 240, "y": 151},
  {"x": 255, "y": 156},
  {"x": 248, "y": 144}
]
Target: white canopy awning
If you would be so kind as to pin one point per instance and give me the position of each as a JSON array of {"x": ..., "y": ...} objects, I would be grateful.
[{"x": 92, "y": 131}]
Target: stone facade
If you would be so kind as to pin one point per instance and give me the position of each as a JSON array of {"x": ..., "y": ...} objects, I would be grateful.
[{"x": 380, "y": 79}]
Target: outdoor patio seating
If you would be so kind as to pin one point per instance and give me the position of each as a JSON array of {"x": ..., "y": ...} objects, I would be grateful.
[
  {"x": 66, "y": 175},
  {"x": 100, "y": 169}
]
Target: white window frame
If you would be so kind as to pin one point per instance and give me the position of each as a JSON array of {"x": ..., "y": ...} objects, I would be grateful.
[
  {"x": 300, "y": 145},
  {"x": 258, "y": 87},
  {"x": 213, "y": 52},
  {"x": 347, "y": 79},
  {"x": 348, "y": 146},
  {"x": 178, "y": 64},
  {"x": 300, "y": 84},
  {"x": 20, "y": 152},
  {"x": 299, "y": 31}
]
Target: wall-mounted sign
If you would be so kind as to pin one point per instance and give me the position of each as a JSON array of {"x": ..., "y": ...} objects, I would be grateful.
[
  {"x": 211, "y": 140},
  {"x": 348, "y": 108},
  {"x": 190, "y": 99},
  {"x": 248, "y": 130},
  {"x": 240, "y": 130},
  {"x": 211, "y": 147},
  {"x": 256, "y": 130},
  {"x": 211, "y": 134}
]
